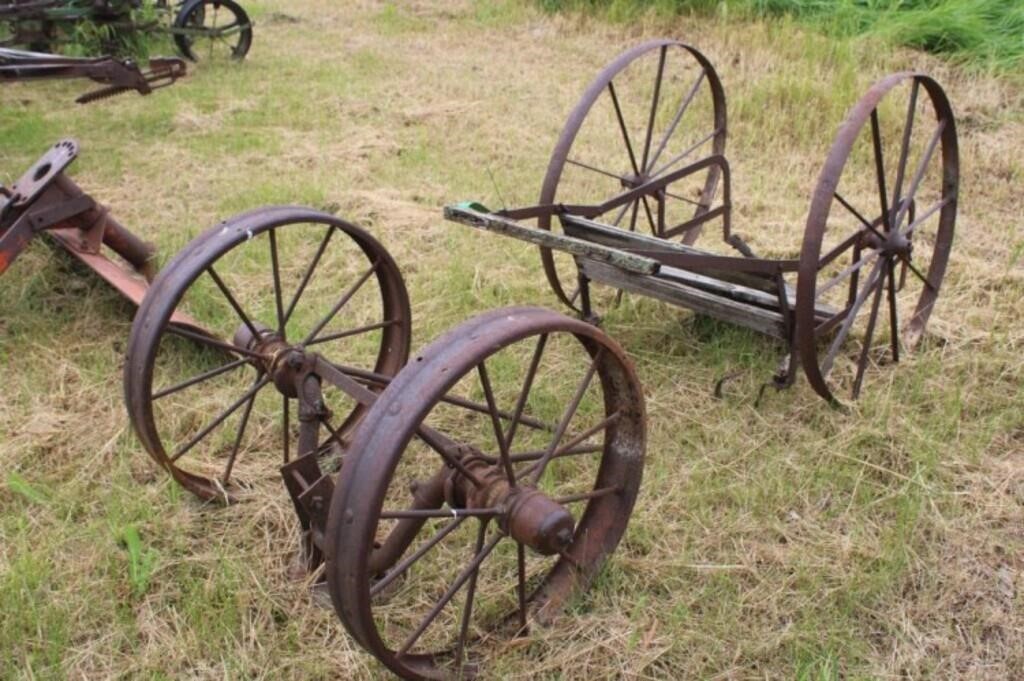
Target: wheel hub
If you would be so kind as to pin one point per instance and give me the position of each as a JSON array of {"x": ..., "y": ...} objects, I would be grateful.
[
  {"x": 897, "y": 243},
  {"x": 281, "y": 361},
  {"x": 632, "y": 181},
  {"x": 531, "y": 517}
]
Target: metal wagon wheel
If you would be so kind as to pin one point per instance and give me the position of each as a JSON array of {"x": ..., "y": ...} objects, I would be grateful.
[
  {"x": 261, "y": 282},
  {"x": 541, "y": 494},
  {"x": 212, "y": 29},
  {"x": 656, "y": 107},
  {"x": 879, "y": 231}
]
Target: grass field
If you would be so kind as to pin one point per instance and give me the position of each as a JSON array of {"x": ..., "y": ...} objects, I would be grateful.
[
  {"x": 983, "y": 33},
  {"x": 788, "y": 540}
]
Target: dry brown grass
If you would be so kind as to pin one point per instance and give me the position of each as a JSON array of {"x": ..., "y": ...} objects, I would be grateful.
[{"x": 789, "y": 541}]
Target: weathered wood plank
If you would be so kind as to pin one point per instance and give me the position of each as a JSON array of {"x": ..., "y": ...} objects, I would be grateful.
[
  {"x": 714, "y": 285},
  {"x": 621, "y": 238},
  {"x": 751, "y": 288},
  {"x": 628, "y": 262},
  {"x": 615, "y": 237},
  {"x": 768, "y": 322}
]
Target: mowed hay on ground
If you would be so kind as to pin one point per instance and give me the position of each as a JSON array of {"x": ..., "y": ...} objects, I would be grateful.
[{"x": 787, "y": 540}]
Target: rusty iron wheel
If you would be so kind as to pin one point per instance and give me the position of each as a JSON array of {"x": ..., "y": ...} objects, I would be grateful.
[
  {"x": 879, "y": 232},
  {"x": 656, "y": 107},
  {"x": 428, "y": 559},
  {"x": 262, "y": 282}
]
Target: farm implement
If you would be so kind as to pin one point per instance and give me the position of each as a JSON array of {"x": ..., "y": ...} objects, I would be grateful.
[
  {"x": 115, "y": 75},
  {"x": 201, "y": 29},
  {"x": 452, "y": 498},
  {"x": 623, "y": 209},
  {"x": 45, "y": 201}
]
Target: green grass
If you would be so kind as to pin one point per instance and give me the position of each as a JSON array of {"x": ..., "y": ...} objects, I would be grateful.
[{"x": 981, "y": 32}]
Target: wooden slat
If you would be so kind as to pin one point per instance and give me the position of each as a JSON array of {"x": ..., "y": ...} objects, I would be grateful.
[
  {"x": 768, "y": 322},
  {"x": 620, "y": 238},
  {"x": 628, "y": 262},
  {"x": 749, "y": 288},
  {"x": 730, "y": 290},
  {"x": 615, "y": 237}
]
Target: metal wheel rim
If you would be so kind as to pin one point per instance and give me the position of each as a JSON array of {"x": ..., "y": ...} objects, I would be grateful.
[
  {"x": 188, "y": 265},
  {"x": 575, "y": 121},
  {"x": 381, "y": 440},
  {"x": 821, "y": 203}
]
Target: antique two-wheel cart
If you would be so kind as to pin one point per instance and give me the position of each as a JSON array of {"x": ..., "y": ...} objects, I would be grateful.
[
  {"x": 201, "y": 29},
  {"x": 498, "y": 467},
  {"x": 880, "y": 225}
]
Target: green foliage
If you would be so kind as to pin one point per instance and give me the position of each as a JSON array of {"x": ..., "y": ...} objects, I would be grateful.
[
  {"x": 21, "y": 486},
  {"x": 985, "y": 32},
  {"x": 77, "y": 28},
  {"x": 141, "y": 561}
]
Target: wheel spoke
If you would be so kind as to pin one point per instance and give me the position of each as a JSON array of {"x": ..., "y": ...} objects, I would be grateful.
[
  {"x": 650, "y": 216},
  {"x": 212, "y": 342},
  {"x": 869, "y": 335},
  {"x": 332, "y": 435},
  {"x": 622, "y": 129},
  {"x": 521, "y": 584},
  {"x": 675, "y": 121},
  {"x": 696, "y": 145},
  {"x": 559, "y": 453},
  {"x": 467, "y": 609},
  {"x": 570, "y": 447},
  {"x": 220, "y": 418},
  {"x": 841, "y": 248},
  {"x": 595, "y": 169},
  {"x": 308, "y": 274},
  {"x": 919, "y": 173},
  {"x": 857, "y": 214},
  {"x": 908, "y": 128},
  {"x": 216, "y": 8},
  {"x": 524, "y": 393},
  {"x": 632, "y": 218},
  {"x": 883, "y": 198},
  {"x": 443, "y": 447},
  {"x": 285, "y": 428},
  {"x": 275, "y": 267},
  {"x": 865, "y": 258},
  {"x": 499, "y": 435},
  {"x": 925, "y": 215},
  {"x": 380, "y": 379},
  {"x": 238, "y": 440},
  {"x": 400, "y": 569},
  {"x": 231, "y": 300},
  {"x": 463, "y": 577},
  {"x": 206, "y": 375},
  {"x": 570, "y": 411},
  {"x": 586, "y": 496},
  {"x": 654, "y": 106},
  {"x": 917, "y": 273},
  {"x": 327, "y": 338},
  {"x": 341, "y": 303},
  {"x": 851, "y": 315},
  {"x": 894, "y": 340}
]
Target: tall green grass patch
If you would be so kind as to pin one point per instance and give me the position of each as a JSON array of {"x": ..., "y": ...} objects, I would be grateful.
[{"x": 979, "y": 32}]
